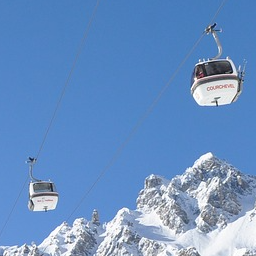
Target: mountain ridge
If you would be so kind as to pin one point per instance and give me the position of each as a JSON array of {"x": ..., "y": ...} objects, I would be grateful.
[{"x": 207, "y": 210}]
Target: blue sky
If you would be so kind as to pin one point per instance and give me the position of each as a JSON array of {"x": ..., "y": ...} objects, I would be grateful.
[{"x": 132, "y": 50}]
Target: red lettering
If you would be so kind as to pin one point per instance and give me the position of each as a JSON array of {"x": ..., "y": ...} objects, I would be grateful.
[{"x": 221, "y": 86}]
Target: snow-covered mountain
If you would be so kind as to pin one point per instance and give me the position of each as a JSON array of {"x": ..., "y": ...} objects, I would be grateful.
[{"x": 207, "y": 211}]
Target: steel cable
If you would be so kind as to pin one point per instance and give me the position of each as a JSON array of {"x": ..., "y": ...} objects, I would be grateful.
[{"x": 142, "y": 118}]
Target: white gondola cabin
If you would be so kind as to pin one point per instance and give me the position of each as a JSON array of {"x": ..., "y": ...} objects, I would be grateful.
[
  {"x": 43, "y": 196},
  {"x": 215, "y": 82}
]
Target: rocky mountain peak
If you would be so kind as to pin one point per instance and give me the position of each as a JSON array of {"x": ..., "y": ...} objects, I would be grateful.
[{"x": 206, "y": 196}]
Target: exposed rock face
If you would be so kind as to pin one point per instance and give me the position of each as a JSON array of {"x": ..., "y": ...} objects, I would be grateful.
[
  {"x": 188, "y": 252},
  {"x": 80, "y": 239},
  {"x": 189, "y": 215},
  {"x": 207, "y": 195}
]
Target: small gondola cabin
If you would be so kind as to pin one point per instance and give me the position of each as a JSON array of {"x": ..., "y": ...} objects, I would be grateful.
[{"x": 43, "y": 196}]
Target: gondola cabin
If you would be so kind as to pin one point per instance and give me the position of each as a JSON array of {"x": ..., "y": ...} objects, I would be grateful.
[
  {"x": 215, "y": 82},
  {"x": 43, "y": 196}
]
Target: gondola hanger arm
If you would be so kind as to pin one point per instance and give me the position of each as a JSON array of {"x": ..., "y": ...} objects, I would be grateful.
[
  {"x": 211, "y": 29},
  {"x": 31, "y": 161}
]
